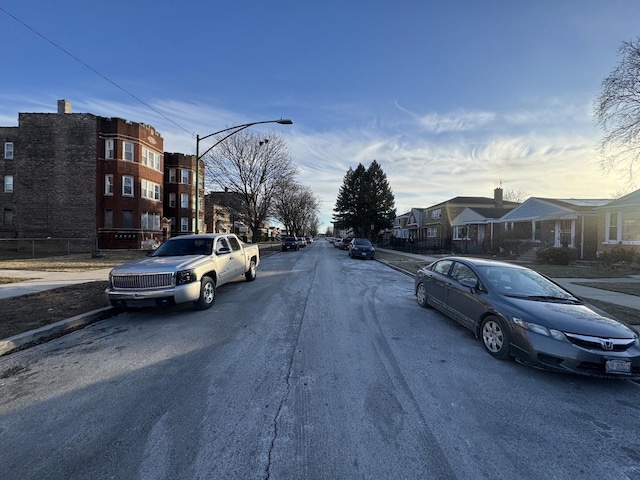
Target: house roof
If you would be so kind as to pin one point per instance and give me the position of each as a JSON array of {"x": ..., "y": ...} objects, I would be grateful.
[
  {"x": 540, "y": 209},
  {"x": 471, "y": 201},
  {"x": 477, "y": 215},
  {"x": 631, "y": 200}
]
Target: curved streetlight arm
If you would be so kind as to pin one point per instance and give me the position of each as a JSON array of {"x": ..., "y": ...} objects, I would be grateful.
[{"x": 236, "y": 129}]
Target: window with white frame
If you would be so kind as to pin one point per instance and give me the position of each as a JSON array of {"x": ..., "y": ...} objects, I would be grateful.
[
  {"x": 436, "y": 213},
  {"x": 150, "y": 221},
  {"x": 108, "y": 184},
  {"x": 149, "y": 190},
  {"x": 172, "y": 200},
  {"x": 127, "y": 186},
  {"x": 432, "y": 232},
  {"x": 128, "y": 151},
  {"x": 184, "y": 224},
  {"x": 151, "y": 159},
  {"x": 8, "y": 150},
  {"x": 461, "y": 232},
  {"x": 631, "y": 226},
  {"x": 109, "y": 149},
  {"x": 184, "y": 200},
  {"x": 184, "y": 176},
  {"x": 612, "y": 227},
  {"x": 8, "y": 183},
  {"x": 172, "y": 175}
]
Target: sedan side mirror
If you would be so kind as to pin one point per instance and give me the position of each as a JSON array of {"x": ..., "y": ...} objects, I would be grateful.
[{"x": 467, "y": 282}]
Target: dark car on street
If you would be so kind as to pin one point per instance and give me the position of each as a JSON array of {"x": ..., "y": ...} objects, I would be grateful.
[
  {"x": 519, "y": 313},
  {"x": 361, "y": 248},
  {"x": 290, "y": 243},
  {"x": 344, "y": 244}
]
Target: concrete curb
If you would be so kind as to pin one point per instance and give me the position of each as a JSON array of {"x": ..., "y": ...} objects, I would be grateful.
[{"x": 55, "y": 330}]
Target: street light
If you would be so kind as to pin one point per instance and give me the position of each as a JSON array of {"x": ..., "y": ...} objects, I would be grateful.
[{"x": 234, "y": 130}]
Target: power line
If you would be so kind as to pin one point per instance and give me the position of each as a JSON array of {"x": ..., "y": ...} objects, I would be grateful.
[{"x": 95, "y": 71}]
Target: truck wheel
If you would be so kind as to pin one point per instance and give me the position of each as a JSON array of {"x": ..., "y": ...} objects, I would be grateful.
[
  {"x": 207, "y": 294},
  {"x": 250, "y": 274}
]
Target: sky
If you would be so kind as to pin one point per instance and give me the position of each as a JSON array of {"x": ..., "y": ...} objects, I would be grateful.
[{"x": 450, "y": 97}]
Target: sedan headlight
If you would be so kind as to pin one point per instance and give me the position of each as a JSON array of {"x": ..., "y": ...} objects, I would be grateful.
[
  {"x": 185, "y": 276},
  {"x": 539, "y": 329}
]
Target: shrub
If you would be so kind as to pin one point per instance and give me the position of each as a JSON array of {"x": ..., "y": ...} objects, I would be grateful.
[
  {"x": 618, "y": 254},
  {"x": 557, "y": 256}
]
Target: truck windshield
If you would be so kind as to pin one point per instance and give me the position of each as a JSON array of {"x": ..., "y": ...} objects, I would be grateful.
[{"x": 184, "y": 246}]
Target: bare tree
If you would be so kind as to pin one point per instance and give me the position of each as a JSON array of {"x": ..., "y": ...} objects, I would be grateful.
[
  {"x": 517, "y": 196},
  {"x": 252, "y": 166},
  {"x": 617, "y": 111},
  {"x": 296, "y": 207}
]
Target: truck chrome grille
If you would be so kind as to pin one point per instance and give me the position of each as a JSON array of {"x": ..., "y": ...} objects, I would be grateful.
[{"x": 152, "y": 280}]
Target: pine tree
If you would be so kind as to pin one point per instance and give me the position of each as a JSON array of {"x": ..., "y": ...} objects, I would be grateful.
[{"x": 365, "y": 201}]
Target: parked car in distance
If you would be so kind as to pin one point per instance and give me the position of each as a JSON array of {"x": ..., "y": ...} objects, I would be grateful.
[
  {"x": 309, "y": 240},
  {"x": 361, "y": 248},
  {"x": 290, "y": 243},
  {"x": 344, "y": 244},
  {"x": 302, "y": 242},
  {"x": 519, "y": 313},
  {"x": 337, "y": 241},
  {"x": 183, "y": 269}
]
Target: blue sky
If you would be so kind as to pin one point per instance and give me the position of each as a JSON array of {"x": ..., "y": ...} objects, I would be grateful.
[{"x": 451, "y": 97}]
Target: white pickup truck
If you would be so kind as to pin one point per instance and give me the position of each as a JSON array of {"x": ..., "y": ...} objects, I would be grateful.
[{"x": 183, "y": 269}]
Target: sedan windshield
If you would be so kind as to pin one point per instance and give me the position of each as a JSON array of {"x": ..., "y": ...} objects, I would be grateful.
[{"x": 516, "y": 282}]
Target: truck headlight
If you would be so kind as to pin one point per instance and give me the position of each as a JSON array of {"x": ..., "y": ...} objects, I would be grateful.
[{"x": 185, "y": 276}]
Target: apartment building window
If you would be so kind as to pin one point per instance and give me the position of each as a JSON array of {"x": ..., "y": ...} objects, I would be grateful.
[
  {"x": 108, "y": 219},
  {"x": 432, "y": 232},
  {"x": 128, "y": 151},
  {"x": 127, "y": 186},
  {"x": 109, "y": 149},
  {"x": 184, "y": 200},
  {"x": 150, "y": 221},
  {"x": 172, "y": 200},
  {"x": 8, "y": 150},
  {"x": 127, "y": 219},
  {"x": 8, "y": 183},
  {"x": 173, "y": 222},
  {"x": 185, "y": 176},
  {"x": 149, "y": 190},
  {"x": 184, "y": 224},
  {"x": 436, "y": 213},
  {"x": 7, "y": 216},
  {"x": 108, "y": 184},
  {"x": 172, "y": 175},
  {"x": 150, "y": 158}
]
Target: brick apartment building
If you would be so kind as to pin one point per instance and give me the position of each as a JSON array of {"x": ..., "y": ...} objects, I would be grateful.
[
  {"x": 82, "y": 176},
  {"x": 179, "y": 196}
]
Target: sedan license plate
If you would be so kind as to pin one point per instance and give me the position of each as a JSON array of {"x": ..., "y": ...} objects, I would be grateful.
[{"x": 618, "y": 366}]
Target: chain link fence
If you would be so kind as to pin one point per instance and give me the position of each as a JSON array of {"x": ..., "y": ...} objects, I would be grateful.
[{"x": 15, "y": 248}]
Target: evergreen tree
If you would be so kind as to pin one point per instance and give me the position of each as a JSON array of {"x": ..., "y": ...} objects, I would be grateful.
[{"x": 365, "y": 201}]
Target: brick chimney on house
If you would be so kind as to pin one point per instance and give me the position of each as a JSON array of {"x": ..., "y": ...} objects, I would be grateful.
[
  {"x": 497, "y": 197},
  {"x": 64, "y": 106}
]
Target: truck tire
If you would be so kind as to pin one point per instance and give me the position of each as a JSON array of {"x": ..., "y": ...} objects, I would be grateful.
[
  {"x": 207, "y": 294},
  {"x": 250, "y": 274}
]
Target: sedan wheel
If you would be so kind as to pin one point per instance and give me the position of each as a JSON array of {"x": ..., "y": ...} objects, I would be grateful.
[
  {"x": 421, "y": 295},
  {"x": 495, "y": 338},
  {"x": 207, "y": 294}
]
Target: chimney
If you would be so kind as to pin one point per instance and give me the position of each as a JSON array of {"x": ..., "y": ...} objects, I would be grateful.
[
  {"x": 497, "y": 198},
  {"x": 64, "y": 106}
]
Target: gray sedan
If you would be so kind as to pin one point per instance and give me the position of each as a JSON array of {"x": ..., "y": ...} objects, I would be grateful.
[{"x": 521, "y": 314}]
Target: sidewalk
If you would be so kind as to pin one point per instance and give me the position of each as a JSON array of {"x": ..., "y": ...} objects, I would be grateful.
[{"x": 40, "y": 281}]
